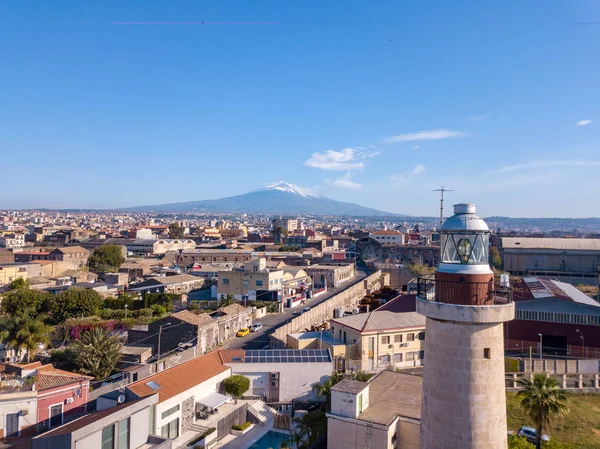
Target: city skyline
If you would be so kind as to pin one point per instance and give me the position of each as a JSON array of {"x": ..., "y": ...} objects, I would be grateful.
[{"x": 373, "y": 104}]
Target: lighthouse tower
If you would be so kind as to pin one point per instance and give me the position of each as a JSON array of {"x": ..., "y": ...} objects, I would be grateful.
[{"x": 464, "y": 402}]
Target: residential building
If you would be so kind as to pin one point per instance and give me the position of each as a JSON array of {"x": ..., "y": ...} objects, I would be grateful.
[
  {"x": 289, "y": 224},
  {"x": 11, "y": 271},
  {"x": 250, "y": 281},
  {"x": 178, "y": 284},
  {"x": 204, "y": 330},
  {"x": 6, "y": 256},
  {"x": 12, "y": 240},
  {"x": 124, "y": 426},
  {"x": 388, "y": 237},
  {"x": 281, "y": 375},
  {"x": 391, "y": 336},
  {"x": 572, "y": 260},
  {"x": 190, "y": 257},
  {"x": 142, "y": 246},
  {"x": 332, "y": 275},
  {"x": 62, "y": 396},
  {"x": 373, "y": 251},
  {"x": 18, "y": 409},
  {"x": 180, "y": 389},
  {"x": 384, "y": 413}
]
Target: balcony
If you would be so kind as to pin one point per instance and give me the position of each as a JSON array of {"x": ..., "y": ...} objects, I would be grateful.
[{"x": 464, "y": 293}]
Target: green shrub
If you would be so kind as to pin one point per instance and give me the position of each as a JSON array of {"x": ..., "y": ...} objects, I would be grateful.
[
  {"x": 242, "y": 426},
  {"x": 202, "y": 435},
  {"x": 144, "y": 312},
  {"x": 106, "y": 314},
  {"x": 158, "y": 310},
  {"x": 119, "y": 314}
]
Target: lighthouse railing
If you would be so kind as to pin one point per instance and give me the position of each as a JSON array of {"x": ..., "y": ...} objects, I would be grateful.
[{"x": 464, "y": 292}]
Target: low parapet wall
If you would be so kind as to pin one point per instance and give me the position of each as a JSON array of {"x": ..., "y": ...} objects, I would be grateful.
[{"x": 346, "y": 299}]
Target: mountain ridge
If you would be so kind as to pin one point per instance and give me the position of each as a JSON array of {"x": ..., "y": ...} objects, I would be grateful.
[{"x": 279, "y": 198}]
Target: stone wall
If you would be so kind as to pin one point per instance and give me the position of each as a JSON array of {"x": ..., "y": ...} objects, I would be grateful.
[
  {"x": 187, "y": 414},
  {"x": 346, "y": 299}
]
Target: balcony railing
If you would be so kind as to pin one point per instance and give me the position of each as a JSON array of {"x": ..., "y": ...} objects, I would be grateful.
[{"x": 463, "y": 292}]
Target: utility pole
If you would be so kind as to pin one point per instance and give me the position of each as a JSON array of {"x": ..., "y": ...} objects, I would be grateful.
[
  {"x": 442, "y": 189},
  {"x": 158, "y": 352}
]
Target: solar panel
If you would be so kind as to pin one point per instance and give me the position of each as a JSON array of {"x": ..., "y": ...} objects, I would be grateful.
[
  {"x": 276, "y": 359},
  {"x": 262, "y": 360}
]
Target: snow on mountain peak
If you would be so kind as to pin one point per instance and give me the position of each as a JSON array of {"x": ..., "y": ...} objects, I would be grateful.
[{"x": 290, "y": 188}]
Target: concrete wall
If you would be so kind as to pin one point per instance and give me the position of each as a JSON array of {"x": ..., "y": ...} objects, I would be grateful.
[
  {"x": 346, "y": 299},
  {"x": 408, "y": 433},
  {"x": 295, "y": 379},
  {"x": 15, "y": 403},
  {"x": 347, "y": 404},
  {"x": 355, "y": 434},
  {"x": 464, "y": 401}
]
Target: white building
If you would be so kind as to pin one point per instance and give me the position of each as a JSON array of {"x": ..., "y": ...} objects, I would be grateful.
[
  {"x": 386, "y": 237},
  {"x": 15, "y": 240}
]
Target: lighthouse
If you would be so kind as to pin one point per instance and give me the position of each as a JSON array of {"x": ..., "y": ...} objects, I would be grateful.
[{"x": 464, "y": 402}]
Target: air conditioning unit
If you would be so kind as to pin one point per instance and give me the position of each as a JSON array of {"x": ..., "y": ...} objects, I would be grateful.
[
  {"x": 274, "y": 376},
  {"x": 274, "y": 384},
  {"x": 390, "y": 346},
  {"x": 69, "y": 400}
]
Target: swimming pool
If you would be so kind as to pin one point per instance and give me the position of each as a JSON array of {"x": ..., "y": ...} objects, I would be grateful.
[{"x": 270, "y": 440}]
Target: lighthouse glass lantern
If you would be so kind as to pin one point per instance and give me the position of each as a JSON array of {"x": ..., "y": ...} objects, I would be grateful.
[{"x": 464, "y": 238}]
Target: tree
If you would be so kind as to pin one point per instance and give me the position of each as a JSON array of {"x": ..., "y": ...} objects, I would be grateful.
[
  {"x": 24, "y": 332},
  {"x": 495, "y": 258},
  {"x": 313, "y": 425},
  {"x": 25, "y": 302},
  {"x": 227, "y": 300},
  {"x": 236, "y": 386},
  {"x": 98, "y": 352},
  {"x": 324, "y": 389},
  {"x": 106, "y": 258},
  {"x": 75, "y": 302},
  {"x": 19, "y": 284},
  {"x": 543, "y": 400},
  {"x": 175, "y": 231}
]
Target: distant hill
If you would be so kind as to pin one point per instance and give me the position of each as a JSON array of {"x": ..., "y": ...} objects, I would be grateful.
[{"x": 280, "y": 198}]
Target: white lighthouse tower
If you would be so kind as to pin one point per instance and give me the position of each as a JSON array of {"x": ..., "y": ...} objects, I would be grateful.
[{"x": 464, "y": 402}]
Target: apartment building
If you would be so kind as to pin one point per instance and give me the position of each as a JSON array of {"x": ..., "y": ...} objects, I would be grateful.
[
  {"x": 200, "y": 256},
  {"x": 252, "y": 279},
  {"x": 391, "y": 336},
  {"x": 332, "y": 275},
  {"x": 388, "y": 237},
  {"x": 12, "y": 240}
]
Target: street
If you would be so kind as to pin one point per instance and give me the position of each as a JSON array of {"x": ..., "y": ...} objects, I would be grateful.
[{"x": 271, "y": 322}]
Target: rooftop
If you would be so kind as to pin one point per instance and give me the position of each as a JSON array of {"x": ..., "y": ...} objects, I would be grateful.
[
  {"x": 393, "y": 394},
  {"x": 193, "y": 318},
  {"x": 180, "y": 378},
  {"x": 276, "y": 356},
  {"x": 350, "y": 386},
  {"x": 380, "y": 320},
  {"x": 551, "y": 243}
]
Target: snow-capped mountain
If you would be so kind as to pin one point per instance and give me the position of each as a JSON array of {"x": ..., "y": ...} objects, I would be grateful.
[{"x": 279, "y": 198}]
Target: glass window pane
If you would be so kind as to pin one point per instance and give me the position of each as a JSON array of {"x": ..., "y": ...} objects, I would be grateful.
[
  {"x": 124, "y": 434},
  {"x": 108, "y": 437}
]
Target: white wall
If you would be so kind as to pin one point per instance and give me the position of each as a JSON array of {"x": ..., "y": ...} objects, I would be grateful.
[
  {"x": 198, "y": 392},
  {"x": 13, "y": 404},
  {"x": 295, "y": 379},
  {"x": 91, "y": 441}
]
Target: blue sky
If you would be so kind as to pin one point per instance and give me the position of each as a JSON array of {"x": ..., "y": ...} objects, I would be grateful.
[{"x": 374, "y": 102}]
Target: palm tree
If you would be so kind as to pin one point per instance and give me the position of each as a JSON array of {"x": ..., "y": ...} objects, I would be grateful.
[
  {"x": 23, "y": 332},
  {"x": 98, "y": 351},
  {"x": 324, "y": 389},
  {"x": 313, "y": 425},
  {"x": 543, "y": 400}
]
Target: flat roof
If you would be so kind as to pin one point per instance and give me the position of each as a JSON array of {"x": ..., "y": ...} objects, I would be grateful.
[
  {"x": 350, "y": 386},
  {"x": 551, "y": 243},
  {"x": 393, "y": 394}
]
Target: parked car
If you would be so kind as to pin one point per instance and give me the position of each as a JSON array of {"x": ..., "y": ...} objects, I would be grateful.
[
  {"x": 306, "y": 309},
  {"x": 530, "y": 434},
  {"x": 256, "y": 327},
  {"x": 243, "y": 332}
]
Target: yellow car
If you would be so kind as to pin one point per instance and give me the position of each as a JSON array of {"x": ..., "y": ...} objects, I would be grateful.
[{"x": 243, "y": 332}]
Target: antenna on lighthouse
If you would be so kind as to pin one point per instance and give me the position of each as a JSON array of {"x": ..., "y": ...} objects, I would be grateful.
[{"x": 442, "y": 189}]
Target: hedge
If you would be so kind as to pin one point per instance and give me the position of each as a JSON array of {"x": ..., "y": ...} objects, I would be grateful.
[{"x": 241, "y": 427}]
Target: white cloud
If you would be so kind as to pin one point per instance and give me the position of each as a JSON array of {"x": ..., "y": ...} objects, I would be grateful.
[
  {"x": 416, "y": 171},
  {"x": 346, "y": 159},
  {"x": 346, "y": 183},
  {"x": 543, "y": 164},
  {"x": 583, "y": 122},
  {"x": 436, "y": 134},
  {"x": 477, "y": 118},
  {"x": 415, "y": 147}
]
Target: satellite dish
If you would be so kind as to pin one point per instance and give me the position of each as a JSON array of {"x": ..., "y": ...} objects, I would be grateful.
[{"x": 121, "y": 399}]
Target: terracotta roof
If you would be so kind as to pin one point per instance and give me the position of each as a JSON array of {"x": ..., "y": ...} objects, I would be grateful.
[
  {"x": 192, "y": 318},
  {"x": 72, "y": 249},
  {"x": 382, "y": 320},
  {"x": 167, "y": 280},
  {"x": 181, "y": 378},
  {"x": 227, "y": 355},
  {"x": 50, "y": 377},
  {"x": 233, "y": 309}
]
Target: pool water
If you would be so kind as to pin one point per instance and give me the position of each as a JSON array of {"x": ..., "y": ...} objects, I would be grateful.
[{"x": 271, "y": 440}]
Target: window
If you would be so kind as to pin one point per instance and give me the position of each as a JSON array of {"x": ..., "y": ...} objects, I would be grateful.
[
  {"x": 123, "y": 434},
  {"x": 410, "y": 356},
  {"x": 410, "y": 337},
  {"x": 385, "y": 340},
  {"x": 225, "y": 281},
  {"x": 398, "y": 357},
  {"x": 169, "y": 412},
  {"x": 421, "y": 335},
  {"x": 56, "y": 415},
  {"x": 486, "y": 353},
  {"x": 259, "y": 283},
  {"x": 108, "y": 437},
  {"x": 398, "y": 338},
  {"x": 245, "y": 282},
  {"x": 170, "y": 430}
]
